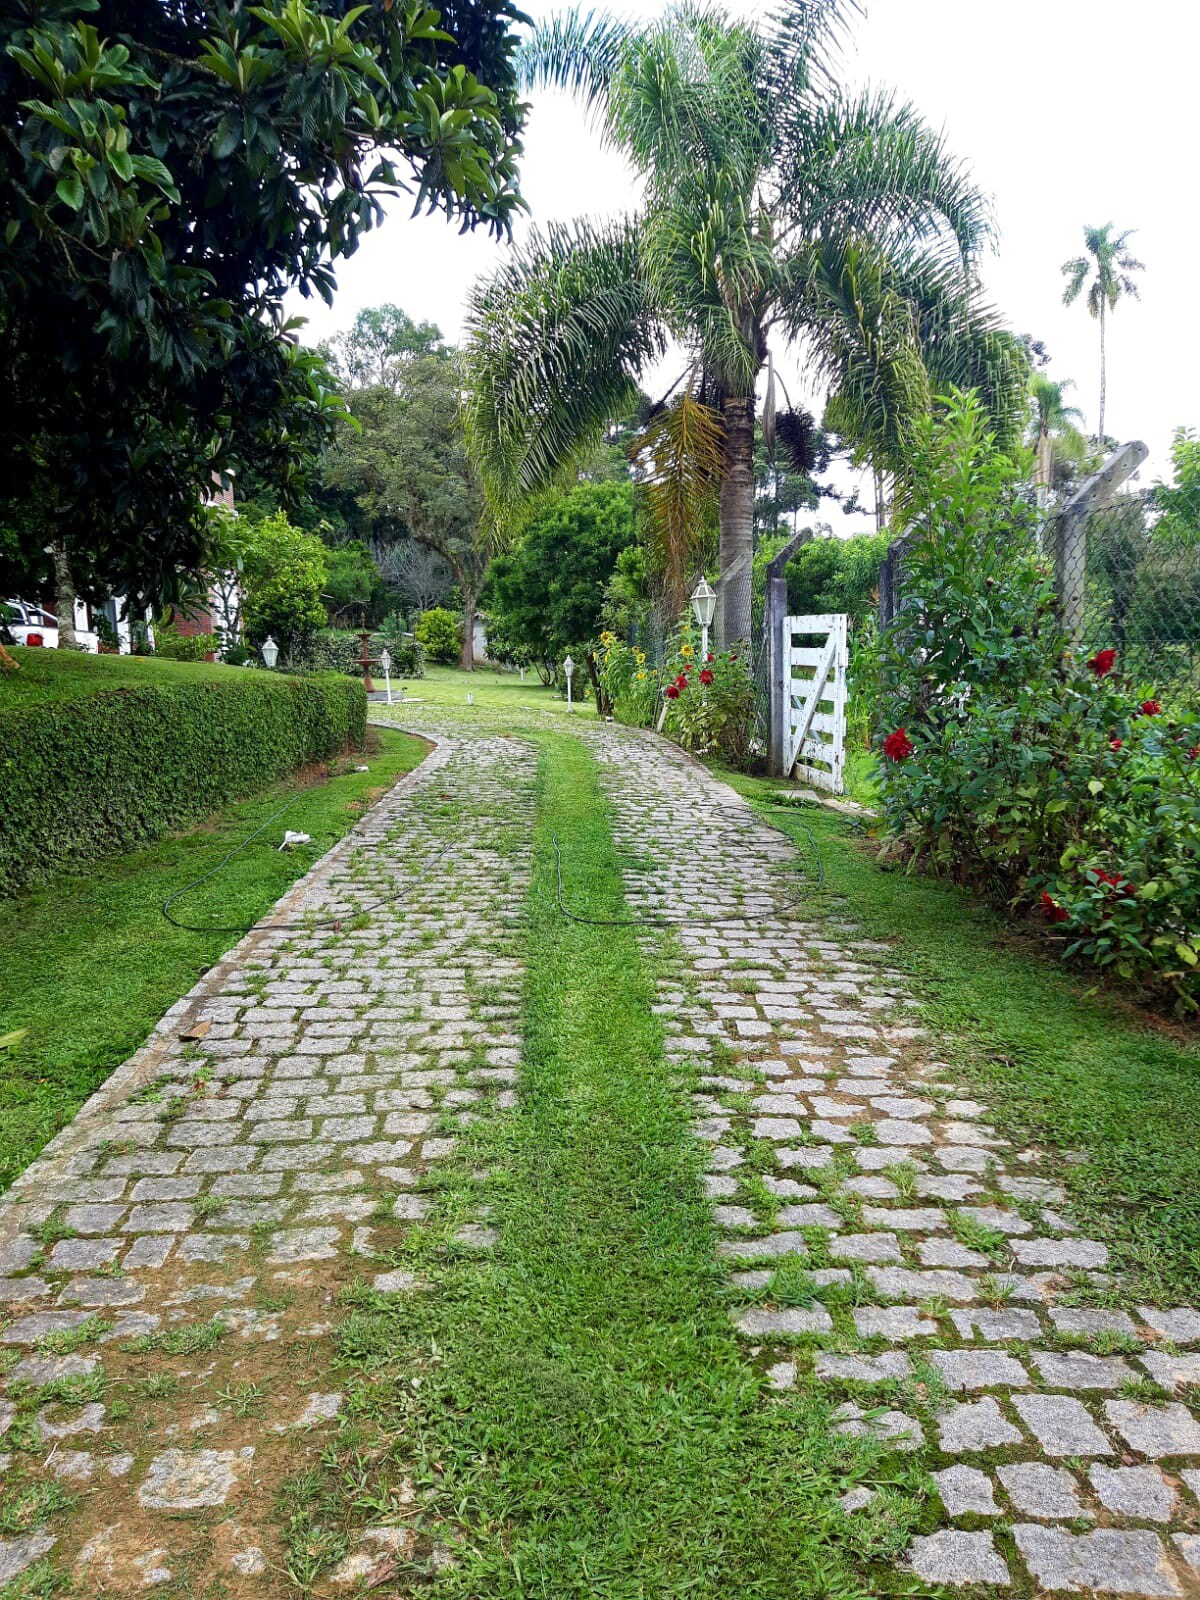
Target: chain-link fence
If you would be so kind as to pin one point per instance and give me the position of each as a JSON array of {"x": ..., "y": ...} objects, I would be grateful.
[
  {"x": 1135, "y": 587},
  {"x": 1127, "y": 580}
]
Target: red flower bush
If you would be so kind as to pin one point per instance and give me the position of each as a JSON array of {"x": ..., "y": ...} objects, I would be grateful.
[
  {"x": 1103, "y": 662},
  {"x": 672, "y": 691},
  {"x": 1051, "y": 909},
  {"x": 707, "y": 676},
  {"x": 1116, "y": 744},
  {"x": 1117, "y": 885},
  {"x": 898, "y": 746},
  {"x": 1151, "y": 708}
]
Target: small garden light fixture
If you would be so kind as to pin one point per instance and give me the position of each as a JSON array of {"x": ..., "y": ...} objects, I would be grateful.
[
  {"x": 385, "y": 661},
  {"x": 569, "y": 670},
  {"x": 270, "y": 653},
  {"x": 704, "y": 609}
]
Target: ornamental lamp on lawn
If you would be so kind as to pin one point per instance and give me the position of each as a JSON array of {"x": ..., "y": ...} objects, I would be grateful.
[
  {"x": 385, "y": 661},
  {"x": 270, "y": 653},
  {"x": 704, "y": 609},
  {"x": 569, "y": 670}
]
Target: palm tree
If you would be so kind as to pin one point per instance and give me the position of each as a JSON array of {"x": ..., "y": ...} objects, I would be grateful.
[
  {"x": 1115, "y": 267},
  {"x": 777, "y": 208},
  {"x": 1056, "y": 435}
]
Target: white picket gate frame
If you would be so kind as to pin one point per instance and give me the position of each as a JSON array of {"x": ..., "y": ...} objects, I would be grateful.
[{"x": 816, "y": 684}]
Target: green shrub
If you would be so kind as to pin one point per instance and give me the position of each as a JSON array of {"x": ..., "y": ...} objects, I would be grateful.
[
  {"x": 439, "y": 632},
  {"x": 707, "y": 705},
  {"x": 87, "y": 776},
  {"x": 176, "y": 646},
  {"x": 1043, "y": 780}
]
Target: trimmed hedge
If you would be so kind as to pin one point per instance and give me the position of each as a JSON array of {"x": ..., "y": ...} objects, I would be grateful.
[{"x": 104, "y": 772}]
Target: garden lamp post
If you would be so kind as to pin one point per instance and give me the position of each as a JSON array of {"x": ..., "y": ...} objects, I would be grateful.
[
  {"x": 270, "y": 653},
  {"x": 704, "y": 609},
  {"x": 569, "y": 669},
  {"x": 385, "y": 661}
]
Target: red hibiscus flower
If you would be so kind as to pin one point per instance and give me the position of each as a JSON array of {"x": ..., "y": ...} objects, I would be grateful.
[
  {"x": 1051, "y": 909},
  {"x": 710, "y": 656},
  {"x": 706, "y": 677},
  {"x": 672, "y": 691},
  {"x": 898, "y": 746},
  {"x": 1117, "y": 885},
  {"x": 1103, "y": 662},
  {"x": 1151, "y": 708},
  {"x": 681, "y": 681},
  {"x": 1116, "y": 744}
]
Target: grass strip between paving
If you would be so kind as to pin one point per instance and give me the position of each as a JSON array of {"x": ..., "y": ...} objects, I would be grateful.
[{"x": 583, "y": 1420}]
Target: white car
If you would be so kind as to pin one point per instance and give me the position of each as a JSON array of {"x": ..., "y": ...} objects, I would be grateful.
[{"x": 30, "y": 625}]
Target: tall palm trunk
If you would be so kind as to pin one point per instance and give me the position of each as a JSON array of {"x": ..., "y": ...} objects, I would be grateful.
[
  {"x": 64, "y": 595},
  {"x": 737, "y": 520}
]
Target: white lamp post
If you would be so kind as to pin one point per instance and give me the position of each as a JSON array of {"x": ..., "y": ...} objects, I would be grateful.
[
  {"x": 704, "y": 609},
  {"x": 270, "y": 653},
  {"x": 385, "y": 661},
  {"x": 569, "y": 669}
]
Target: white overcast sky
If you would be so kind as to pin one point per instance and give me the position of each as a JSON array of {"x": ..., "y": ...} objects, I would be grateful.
[{"x": 1069, "y": 112}]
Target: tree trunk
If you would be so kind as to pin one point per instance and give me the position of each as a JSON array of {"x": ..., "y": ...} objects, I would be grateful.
[
  {"x": 737, "y": 520},
  {"x": 64, "y": 596},
  {"x": 467, "y": 660},
  {"x": 1103, "y": 375}
]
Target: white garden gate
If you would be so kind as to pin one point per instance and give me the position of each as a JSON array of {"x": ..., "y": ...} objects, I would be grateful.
[{"x": 816, "y": 663}]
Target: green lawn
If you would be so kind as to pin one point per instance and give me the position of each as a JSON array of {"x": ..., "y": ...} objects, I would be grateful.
[
  {"x": 1078, "y": 1071},
  {"x": 48, "y": 675},
  {"x": 88, "y": 965},
  {"x": 492, "y": 689}
]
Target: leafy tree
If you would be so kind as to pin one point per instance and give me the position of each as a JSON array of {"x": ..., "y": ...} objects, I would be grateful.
[
  {"x": 1057, "y": 442},
  {"x": 440, "y": 633},
  {"x": 167, "y": 174},
  {"x": 284, "y": 574},
  {"x": 353, "y": 585},
  {"x": 777, "y": 207},
  {"x": 1114, "y": 267},
  {"x": 1179, "y": 501},
  {"x": 836, "y": 575},
  {"x": 380, "y": 340},
  {"x": 407, "y": 468},
  {"x": 548, "y": 593}
]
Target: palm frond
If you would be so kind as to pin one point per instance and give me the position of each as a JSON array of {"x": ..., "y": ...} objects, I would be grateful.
[
  {"x": 578, "y": 51},
  {"x": 555, "y": 342},
  {"x": 871, "y": 163},
  {"x": 803, "y": 39},
  {"x": 681, "y": 457},
  {"x": 862, "y": 337}
]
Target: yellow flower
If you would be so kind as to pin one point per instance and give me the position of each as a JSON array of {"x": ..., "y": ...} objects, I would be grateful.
[
  {"x": 641, "y": 675},
  {"x": 640, "y": 657},
  {"x": 686, "y": 650}
]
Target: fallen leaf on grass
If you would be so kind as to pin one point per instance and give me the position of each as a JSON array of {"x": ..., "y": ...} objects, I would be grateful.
[{"x": 7, "y": 1040}]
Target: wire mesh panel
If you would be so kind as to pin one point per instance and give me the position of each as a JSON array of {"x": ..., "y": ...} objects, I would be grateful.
[{"x": 1137, "y": 589}]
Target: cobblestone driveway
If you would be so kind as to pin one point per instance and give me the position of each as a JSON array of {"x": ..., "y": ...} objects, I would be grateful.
[{"x": 272, "y": 1138}]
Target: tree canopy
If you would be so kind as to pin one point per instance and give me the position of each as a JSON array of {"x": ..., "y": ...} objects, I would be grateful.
[
  {"x": 779, "y": 209},
  {"x": 167, "y": 174},
  {"x": 546, "y": 595}
]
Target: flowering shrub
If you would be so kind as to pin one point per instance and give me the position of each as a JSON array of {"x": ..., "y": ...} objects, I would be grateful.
[
  {"x": 1013, "y": 765},
  {"x": 707, "y": 705}
]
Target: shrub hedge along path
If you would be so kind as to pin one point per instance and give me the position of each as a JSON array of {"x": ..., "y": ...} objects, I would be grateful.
[{"x": 468, "y": 1248}]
